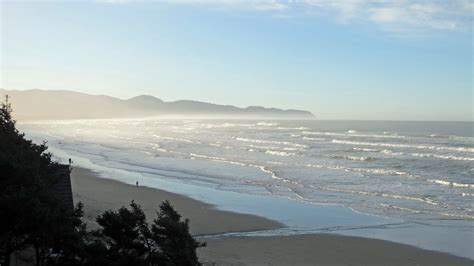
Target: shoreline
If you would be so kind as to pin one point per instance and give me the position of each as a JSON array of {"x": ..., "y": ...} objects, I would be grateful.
[
  {"x": 104, "y": 194},
  {"x": 100, "y": 194}
]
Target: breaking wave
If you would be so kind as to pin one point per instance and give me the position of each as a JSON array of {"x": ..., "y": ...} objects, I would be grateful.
[
  {"x": 396, "y": 145},
  {"x": 280, "y": 153},
  {"x": 377, "y": 171},
  {"x": 366, "y": 149},
  {"x": 352, "y": 133},
  {"x": 384, "y": 194},
  {"x": 270, "y": 142},
  {"x": 353, "y": 158},
  {"x": 275, "y": 148},
  {"x": 266, "y": 124},
  {"x": 316, "y": 139},
  {"x": 451, "y": 184},
  {"x": 446, "y": 157}
]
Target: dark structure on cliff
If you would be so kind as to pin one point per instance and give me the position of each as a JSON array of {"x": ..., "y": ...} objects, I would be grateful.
[{"x": 63, "y": 188}]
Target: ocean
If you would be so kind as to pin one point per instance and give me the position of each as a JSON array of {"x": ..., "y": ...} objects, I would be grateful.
[{"x": 419, "y": 174}]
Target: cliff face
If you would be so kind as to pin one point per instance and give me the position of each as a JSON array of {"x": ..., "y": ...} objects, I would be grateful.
[{"x": 45, "y": 104}]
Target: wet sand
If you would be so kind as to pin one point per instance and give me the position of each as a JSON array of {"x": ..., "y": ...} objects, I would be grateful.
[{"x": 99, "y": 194}]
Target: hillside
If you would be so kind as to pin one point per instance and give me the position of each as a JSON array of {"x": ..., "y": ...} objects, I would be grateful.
[{"x": 48, "y": 104}]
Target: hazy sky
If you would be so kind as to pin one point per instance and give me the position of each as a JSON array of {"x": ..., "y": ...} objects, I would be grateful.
[{"x": 352, "y": 59}]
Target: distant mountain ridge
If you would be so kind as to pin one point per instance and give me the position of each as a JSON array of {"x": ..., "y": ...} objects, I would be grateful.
[{"x": 39, "y": 104}]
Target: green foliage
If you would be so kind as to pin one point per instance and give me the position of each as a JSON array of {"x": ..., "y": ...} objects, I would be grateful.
[
  {"x": 125, "y": 238},
  {"x": 31, "y": 213},
  {"x": 32, "y": 217},
  {"x": 177, "y": 245}
]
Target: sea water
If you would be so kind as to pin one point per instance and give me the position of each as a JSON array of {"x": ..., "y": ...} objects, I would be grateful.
[{"x": 415, "y": 178}]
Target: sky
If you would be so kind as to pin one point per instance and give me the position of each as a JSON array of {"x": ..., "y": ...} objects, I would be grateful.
[{"x": 340, "y": 59}]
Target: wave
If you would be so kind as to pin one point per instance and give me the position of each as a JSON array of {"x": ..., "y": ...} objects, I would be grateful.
[
  {"x": 462, "y": 216},
  {"x": 219, "y": 145},
  {"x": 215, "y": 144},
  {"x": 390, "y": 152},
  {"x": 267, "y": 124},
  {"x": 390, "y": 206},
  {"x": 224, "y": 125},
  {"x": 396, "y": 145},
  {"x": 316, "y": 139},
  {"x": 377, "y": 171},
  {"x": 453, "y": 137},
  {"x": 420, "y": 155},
  {"x": 446, "y": 157},
  {"x": 175, "y": 139},
  {"x": 351, "y": 133},
  {"x": 467, "y": 194},
  {"x": 451, "y": 184},
  {"x": 262, "y": 168},
  {"x": 215, "y": 158},
  {"x": 353, "y": 158},
  {"x": 157, "y": 147},
  {"x": 275, "y": 148},
  {"x": 383, "y": 194},
  {"x": 390, "y": 133},
  {"x": 366, "y": 149},
  {"x": 270, "y": 142},
  {"x": 292, "y": 128},
  {"x": 280, "y": 153}
]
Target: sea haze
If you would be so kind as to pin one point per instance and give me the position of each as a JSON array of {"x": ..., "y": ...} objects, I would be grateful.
[{"x": 420, "y": 172}]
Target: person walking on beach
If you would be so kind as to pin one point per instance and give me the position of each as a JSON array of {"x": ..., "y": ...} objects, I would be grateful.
[{"x": 137, "y": 183}]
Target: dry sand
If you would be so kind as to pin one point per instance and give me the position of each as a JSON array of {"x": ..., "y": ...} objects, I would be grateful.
[{"x": 100, "y": 194}]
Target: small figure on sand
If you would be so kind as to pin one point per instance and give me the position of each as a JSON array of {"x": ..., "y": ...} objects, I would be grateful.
[
  {"x": 137, "y": 183},
  {"x": 70, "y": 161}
]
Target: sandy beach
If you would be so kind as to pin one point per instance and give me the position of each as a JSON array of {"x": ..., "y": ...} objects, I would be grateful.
[{"x": 99, "y": 194}]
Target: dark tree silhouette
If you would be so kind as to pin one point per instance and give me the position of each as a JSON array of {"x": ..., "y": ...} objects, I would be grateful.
[
  {"x": 31, "y": 216},
  {"x": 125, "y": 238},
  {"x": 176, "y": 243}
]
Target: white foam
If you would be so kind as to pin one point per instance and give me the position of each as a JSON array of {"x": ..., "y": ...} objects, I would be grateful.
[
  {"x": 390, "y": 206},
  {"x": 157, "y": 147},
  {"x": 446, "y": 157},
  {"x": 352, "y": 133},
  {"x": 462, "y": 216},
  {"x": 315, "y": 139},
  {"x": 174, "y": 139},
  {"x": 292, "y": 128},
  {"x": 353, "y": 158},
  {"x": 270, "y": 142},
  {"x": 365, "y": 149},
  {"x": 225, "y": 160},
  {"x": 280, "y": 153},
  {"x": 451, "y": 184},
  {"x": 267, "y": 124},
  {"x": 390, "y": 152},
  {"x": 396, "y": 145},
  {"x": 377, "y": 171},
  {"x": 383, "y": 194},
  {"x": 275, "y": 148}
]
